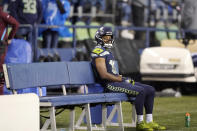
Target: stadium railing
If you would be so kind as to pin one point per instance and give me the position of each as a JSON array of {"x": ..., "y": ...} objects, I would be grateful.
[
  {"x": 180, "y": 33},
  {"x": 117, "y": 28},
  {"x": 67, "y": 75}
]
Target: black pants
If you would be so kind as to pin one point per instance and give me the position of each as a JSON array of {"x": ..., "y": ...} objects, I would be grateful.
[{"x": 138, "y": 20}]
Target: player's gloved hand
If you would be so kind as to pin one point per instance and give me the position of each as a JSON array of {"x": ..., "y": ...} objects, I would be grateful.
[{"x": 128, "y": 80}]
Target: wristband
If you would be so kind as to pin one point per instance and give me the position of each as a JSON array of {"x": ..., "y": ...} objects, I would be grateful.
[{"x": 128, "y": 80}]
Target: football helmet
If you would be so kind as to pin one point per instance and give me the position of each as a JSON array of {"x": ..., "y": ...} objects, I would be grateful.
[{"x": 102, "y": 37}]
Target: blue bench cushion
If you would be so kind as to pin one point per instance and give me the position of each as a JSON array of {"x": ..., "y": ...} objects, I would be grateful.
[
  {"x": 115, "y": 97},
  {"x": 74, "y": 99},
  {"x": 86, "y": 98}
]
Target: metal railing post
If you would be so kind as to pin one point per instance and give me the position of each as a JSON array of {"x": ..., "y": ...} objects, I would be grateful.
[
  {"x": 74, "y": 37},
  {"x": 35, "y": 43},
  {"x": 147, "y": 43}
]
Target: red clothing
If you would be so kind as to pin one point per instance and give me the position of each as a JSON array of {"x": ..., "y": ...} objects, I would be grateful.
[{"x": 5, "y": 20}]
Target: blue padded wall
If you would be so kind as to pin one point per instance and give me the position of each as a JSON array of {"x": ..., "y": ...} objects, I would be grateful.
[{"x": 32, "y": 75}]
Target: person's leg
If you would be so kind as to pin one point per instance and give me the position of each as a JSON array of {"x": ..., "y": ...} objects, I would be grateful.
[
  {"x": 27, "y": 32},
  {"x": 138, "y": 20},
  {"x": 149, "y": 97},
  {"x": 149, "y": 100},
  {"x": 2, "y": 81},
  {"x": 2, "y": 58},
  {"x": 102, "y": 4},
  {"x": 126, "y": 9},
  {"x": 47, "y": 38},
  {"x": 54, "y": 41},
  {"x": 29, "y": 35},
  {"x": 132, "y": 90},
  {"x": 148, "y": 104}
]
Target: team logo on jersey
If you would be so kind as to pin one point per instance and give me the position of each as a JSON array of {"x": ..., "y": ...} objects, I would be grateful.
[{"x": 97, "y": 50}]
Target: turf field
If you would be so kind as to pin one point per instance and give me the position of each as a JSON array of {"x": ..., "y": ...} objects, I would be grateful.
[{"x": 168, "y": 111}]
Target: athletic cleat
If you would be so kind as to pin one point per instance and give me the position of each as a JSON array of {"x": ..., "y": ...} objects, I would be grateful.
[
  {"x": 142, "y": 126},
  {"x": 156, "y": 126}
]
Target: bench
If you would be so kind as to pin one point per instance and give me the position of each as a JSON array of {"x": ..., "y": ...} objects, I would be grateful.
[{"x": 66, "y": 75}]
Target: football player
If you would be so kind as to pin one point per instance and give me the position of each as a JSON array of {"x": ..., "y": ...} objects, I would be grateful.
[{"x": 107, "y": 75}]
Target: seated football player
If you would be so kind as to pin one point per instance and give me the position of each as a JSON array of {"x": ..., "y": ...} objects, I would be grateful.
[{"x": 103, "y": 63}]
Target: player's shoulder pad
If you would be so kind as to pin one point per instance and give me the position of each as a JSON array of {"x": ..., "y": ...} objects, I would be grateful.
[{"x": 97, "y": 50}]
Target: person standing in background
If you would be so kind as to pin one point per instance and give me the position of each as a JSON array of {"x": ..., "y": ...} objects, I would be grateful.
[
  {"x": 138, "y": 11},
  {"x": 126, "y": 19},
  {"x": 28, "y": 13},
  {"x": 189, "y": 20},
  {"x": 55, "y": 13},
  {"x": 5, "y": 4},
  {"x": 5, "y": 21}
]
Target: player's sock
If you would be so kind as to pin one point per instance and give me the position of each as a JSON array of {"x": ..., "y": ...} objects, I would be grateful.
[{"x": 149, "y": 118}]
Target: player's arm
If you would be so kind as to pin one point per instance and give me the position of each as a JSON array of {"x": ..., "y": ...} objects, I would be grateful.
[
  {"x": 102, "y": 70},
  {"x": 11, "y": 21}
]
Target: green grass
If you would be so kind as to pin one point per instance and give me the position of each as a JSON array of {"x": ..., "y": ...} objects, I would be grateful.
[{"x": 168, "y": 111}]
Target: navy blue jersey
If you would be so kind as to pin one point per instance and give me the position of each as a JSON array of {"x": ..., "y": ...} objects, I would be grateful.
[
  {"x": 98, "y": 52},
  {"x": 26, "y": 11}
]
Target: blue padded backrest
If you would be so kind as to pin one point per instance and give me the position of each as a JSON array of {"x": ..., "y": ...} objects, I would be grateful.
[
  {"x": 37, "y": 74},
  {"x": 80, "y": 73}
]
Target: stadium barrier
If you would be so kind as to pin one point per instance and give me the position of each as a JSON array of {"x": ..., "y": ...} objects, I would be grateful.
[
  {"x": 117, "y": 29},
  {"x": 179, "y": 33},
  {"x": 67, "y": 75},
  {"x": 148, "y": 30}
]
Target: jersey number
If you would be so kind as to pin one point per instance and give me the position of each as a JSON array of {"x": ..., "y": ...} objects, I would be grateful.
[
  {"x": 112, "y": 63},
  {"x": 29, "y": 6}
]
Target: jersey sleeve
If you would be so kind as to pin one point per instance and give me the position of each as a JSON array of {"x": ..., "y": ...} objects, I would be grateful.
[
  {"x": 10, "y": 21},
  {"x": 99, "y": 52}
]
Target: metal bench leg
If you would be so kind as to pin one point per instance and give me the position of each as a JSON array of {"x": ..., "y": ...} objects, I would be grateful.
[
  {"x": 110, "y": 117},
  {"x": 46, "y": 125},
  {"x": 72, "y": 120},
  {"x": 133, "y": 116},
  {"x": 79, "y": 121},
  {"x": 52, "y": 118},
  {"x": 120, "y": 116},
  {"x": 88, "y": 117},
  {"x": 104, "y": 116}
]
